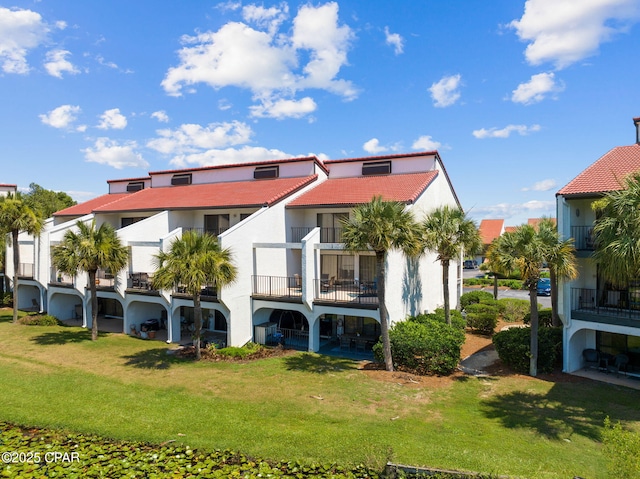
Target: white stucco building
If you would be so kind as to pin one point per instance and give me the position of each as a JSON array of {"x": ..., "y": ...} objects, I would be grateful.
[
  {"x": 282, "y": 221},
  {"x": 597, "y": 315}
]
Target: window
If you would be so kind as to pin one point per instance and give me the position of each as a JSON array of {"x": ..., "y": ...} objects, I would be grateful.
[
  {"x": 216, "y": 224},
  {"x": 331, "y": 226},
  {"x": 183, "y": 179},
  {"x": 129, "y": 221},
  {"x": 135, "y": 186},
  {"x": 262, "y": 172},
  {"x": 376, "y": 168}
]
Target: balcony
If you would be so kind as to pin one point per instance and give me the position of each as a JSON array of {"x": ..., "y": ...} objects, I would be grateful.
[
  {"x": 282, "y": 288},
  {"x": 621, "y": 308},
  {"x": 213, "y": 232},
  {"x": 105, "y": 280},
  {"x": 327, "y": 235},
  {"x": 61, "y": 279},
  {"x": 208, "y": 292},
  {"x": 346, "y": 293},
  {"x": 141, "y": 283},
  {"x": 583, "y": 237},
  {"x": 25, "y": 270}
]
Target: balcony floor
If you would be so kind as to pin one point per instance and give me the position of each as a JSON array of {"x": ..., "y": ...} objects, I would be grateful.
[{"x": 621, "y": 379}]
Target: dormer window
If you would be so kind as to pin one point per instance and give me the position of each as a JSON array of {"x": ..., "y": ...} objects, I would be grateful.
[
  {"x": 135, "y": 186},
  {"x": 376, "y": 168},
  {"x": 263, "y": 172},
  {"x": 183, "y": 179}
]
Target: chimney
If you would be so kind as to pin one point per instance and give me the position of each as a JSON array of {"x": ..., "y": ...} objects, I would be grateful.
[{"x": 636, "y": 121}]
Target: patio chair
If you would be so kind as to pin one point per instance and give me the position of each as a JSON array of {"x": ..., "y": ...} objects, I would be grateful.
[
  {"x": 591, "y": 358},
  {"x": 620, "y": 363},
  {"x": 345, "y": 343}
]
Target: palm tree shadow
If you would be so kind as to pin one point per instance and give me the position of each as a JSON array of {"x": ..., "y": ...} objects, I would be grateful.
[
  {"x": 318, "y": 364},
  {"x": 567, "y": 409},
  {"x": 65, "y": 337},
  {"x": 157, "y": 358}
]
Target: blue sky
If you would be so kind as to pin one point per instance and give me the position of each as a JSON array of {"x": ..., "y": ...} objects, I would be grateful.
[{"x": 517, "y": 96}]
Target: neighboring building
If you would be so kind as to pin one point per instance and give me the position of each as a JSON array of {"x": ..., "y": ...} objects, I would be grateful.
[
  {"x": 595, "y": 314},
  {"x": 6, "y": 189},
  {"x": 489, "y": 230},
  {"x": 282, "y": 222}
]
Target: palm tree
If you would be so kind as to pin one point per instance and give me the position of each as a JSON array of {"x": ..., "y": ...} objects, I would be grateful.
[
  {"x": 448, "y": 232},
  {"x": 193, "y": 261},
  {"x": 382, "y": 226},
  {"x": 89, "y": 249},
  {"x": 616, "y": 232},
  {"x": 561, "y": 259},
  {"x": 522, "y": 250},
  {"x": 16, "y": 217}
]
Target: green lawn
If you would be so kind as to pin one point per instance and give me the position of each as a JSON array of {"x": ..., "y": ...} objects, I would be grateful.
[{"x": 126, "y": 388}]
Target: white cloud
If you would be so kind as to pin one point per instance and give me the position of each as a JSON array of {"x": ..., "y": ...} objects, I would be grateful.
[
  {"x": 281, "y": 108},
  {"x": 161, "y": 116},
  {"x": 267, "y": 60},
  {"x": 544, "y": 185},
  {"x": 505, "y": 132},
  {"x": 536, "y": 89},
  {"x": 566, "y": 31},
  {"x": 229, "y": 156},
  {"x": 112, "y": 119},
  {"x": 395, "y": 40},
  {"x": 426, "y": 143},
  {"x": 57, "y": 63},
  {"x": 445, "y": 91},
  {"x": 20, "y": 31},
  {"x": 61, "y": 117},
  {"x": 373, "y": 146},
  {"x": 532, "y": 209},
  {"x": 193, "y": 139},
  {"x": 111, "y": 153}
]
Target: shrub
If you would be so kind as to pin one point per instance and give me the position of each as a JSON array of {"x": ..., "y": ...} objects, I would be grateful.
[
  {"x": 545, "y": 317},
  {"x": 483, "y": 317},
  {"x": 622, "y": 449},
  {"x": 39, "y": 320},
  {"x": 513, "y": 348},
  {"x": 513, "y": 310},
  {"x": 457, "y": 320},
  {"x": 474, "y": 297},
  {"x": 7, "y": 300},
  {"x": 426, "y": 347},
  {"x": 236, "y": 352}
]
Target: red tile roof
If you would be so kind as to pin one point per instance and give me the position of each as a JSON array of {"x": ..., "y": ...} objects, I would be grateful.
[
  {"x": 249, "y": 193},
  {"x": 251, "y": 163},
  {"x": 383, "y": 157},
  {"x": 536, "y": 221},
  {"x": 607, "y": 173},
  {"x": 89, "y": 206},
  {"x": 490, "y": 230},
  {"x": 358, "y": 190},
  {"x": 510, "y": 229}
]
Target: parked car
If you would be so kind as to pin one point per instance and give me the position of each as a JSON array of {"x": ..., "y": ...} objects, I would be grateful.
[
  {"x": 544, "y": 287},
  {"x": 470, "y": 264}
]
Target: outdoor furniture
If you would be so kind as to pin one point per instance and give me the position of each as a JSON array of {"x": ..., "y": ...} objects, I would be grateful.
[
  {"x": 361, "y": 345},
  {"x": 325, "y": 286},
  {"x": 591, "y": 358},
  {"x": 620, "y": 362},
  {"x": 345, "y": 342}
]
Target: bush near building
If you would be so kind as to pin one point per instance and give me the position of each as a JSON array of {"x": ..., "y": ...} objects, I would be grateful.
[{"x": 513, "y": 348}]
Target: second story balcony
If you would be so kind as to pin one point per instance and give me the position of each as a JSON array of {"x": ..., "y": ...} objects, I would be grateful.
[
  {"x": 25, "y": 270},
  {"x": 346, "y": 293},
  {"x": 327, "y": 235},
  {"x": 583, "y": 237},
  {"x": 208, "y": 292},
  {"x": 282, "y": 288},
  {"x": 621, "y": 308},
  {"x": 61, "y": 279},
  {"x": 141, "y": 283}
]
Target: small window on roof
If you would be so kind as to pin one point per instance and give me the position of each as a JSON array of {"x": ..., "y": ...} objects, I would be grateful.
[
  {"x": 135, "y": 186},
  {"x": 183, "y": 179},
  {"x": 262, "y": 172},
  {"x": 376, "y": 168}
]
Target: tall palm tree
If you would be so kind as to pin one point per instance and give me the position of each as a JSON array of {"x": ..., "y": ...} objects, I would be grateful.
[
  {"x": 193, "y": 261},
  {"x": 382, "y": 226},
  {"x": 561, "y": 259},
  {"x": 16, "y": 217},
  {"x": 616, "y": 232},
  {"x": 89, "y": 249},
  {"x": 448, "y": 232},
  {"x": 522, "y": 250}
]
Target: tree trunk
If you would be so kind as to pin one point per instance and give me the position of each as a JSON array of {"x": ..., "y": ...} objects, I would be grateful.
[
  {"x": 445, "y": 290},
  {"x": 555, "y": 317},
  {"x": 94, "y": 304},
  {"x": 495, "y": 286},
  {"x": 16, "y": 266},
  {"x": 197, "y": 324},
  {"x": 533, "y": 301},
  {"x": 384, "y": 322}
]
